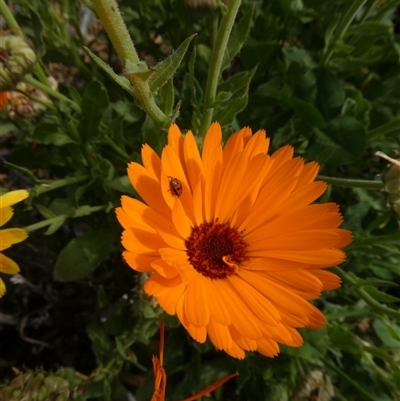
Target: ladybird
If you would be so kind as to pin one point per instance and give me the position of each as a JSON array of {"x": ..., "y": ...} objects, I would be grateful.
[{"x": 175, "y": 186}]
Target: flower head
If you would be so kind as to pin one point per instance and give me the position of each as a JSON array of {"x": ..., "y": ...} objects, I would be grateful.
[
  {"x": 9, "y": 236},
  {"x": 241, "y": 251},
  {"x": 16, "y": 60}
]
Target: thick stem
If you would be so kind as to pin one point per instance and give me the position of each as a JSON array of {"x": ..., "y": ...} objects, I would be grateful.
[
  {"x": 11, "y": 21},
  {"x": 110, "y": 16},
  {"x": 342, "y": 28},
  {"x": 350, "y": 183},
  {"x": 217, "y": 56}
]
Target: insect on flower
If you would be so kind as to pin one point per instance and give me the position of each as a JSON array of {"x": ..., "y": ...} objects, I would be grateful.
[{"x": 175, "y": 186}]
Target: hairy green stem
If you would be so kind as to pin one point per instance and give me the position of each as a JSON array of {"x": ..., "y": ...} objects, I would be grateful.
[
  {"x": 59, "y": 184},
  {"x": 217, "y": 56},
  {"x": 50, "y": 91},
  {"x": 344, "y": 24},
  {"x": 350, "y": 183},
  {"x": 375, "y": 305},
  {"x": 110, "y": 16},
  {"x": 62, "y": 217}
]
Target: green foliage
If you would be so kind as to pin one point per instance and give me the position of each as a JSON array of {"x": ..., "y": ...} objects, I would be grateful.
[{"x": 322, "y": 76}]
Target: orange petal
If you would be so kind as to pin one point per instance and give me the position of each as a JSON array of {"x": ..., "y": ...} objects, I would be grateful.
[
  {"x": 139, "y": 262},
  {"x": 257, "y": 144},
  {"x": 212, "y": 171},
  {"x": 242, "y": 341},
  {"x": 164, "y": 269},
  {"x": 329, "y": 280},
  {"x": 151, "y": 161},
  {"x": 158, "y": 286},
  {"x": 308, "y": 174},
  {"x": 226, "y": 201},
  {"x": 181, "y": 221},
  {"x": 196, "y": 306},
  {"x": 170, "y": 300},
  {"x": 267, "y": 347},
  {"x": 219, "y": 335},
  {"x": 139, "y": 241},
  {"x": 218, "y": 311},
  {"x": 192, "y": 160},
  {"x": 148, "y": 188},
  {"x": 241, "y": 316},
  {"x": 175, "y": 139}
]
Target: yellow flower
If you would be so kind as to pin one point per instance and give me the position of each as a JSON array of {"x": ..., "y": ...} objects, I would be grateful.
[
  {"x": 9, "y": 236},
  {"x": 234, "y": 244}
]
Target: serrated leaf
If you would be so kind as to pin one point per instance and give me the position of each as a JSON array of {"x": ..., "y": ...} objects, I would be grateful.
[
  {"x": 123, "y": 82},
  {"x": 84, "y": 254},
  {"x": 237, "y": 38},
  {"x": 166, "y": 68},
  {"x": 94, "y": 103}
]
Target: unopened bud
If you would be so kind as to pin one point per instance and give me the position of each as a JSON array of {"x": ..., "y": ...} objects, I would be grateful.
[
  {"x": 16, "y": 60},
  {"x": 391, "y": 181}
]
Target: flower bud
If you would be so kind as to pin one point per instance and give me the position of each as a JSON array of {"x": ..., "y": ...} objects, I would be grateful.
[
  {"x": 391, "y": 181},
  {"x": 16, "y": 60}
]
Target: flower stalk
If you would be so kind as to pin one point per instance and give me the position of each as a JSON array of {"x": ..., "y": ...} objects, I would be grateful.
[
  {"x": 350, "y": 183},
  {"x": 43, "y": 188},
  {"x": 217, "y": 57},
  {"x": 110, "y": 16}
]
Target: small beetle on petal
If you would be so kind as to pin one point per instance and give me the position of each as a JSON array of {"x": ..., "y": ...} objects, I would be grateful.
[{"x": 175, "y": 186}]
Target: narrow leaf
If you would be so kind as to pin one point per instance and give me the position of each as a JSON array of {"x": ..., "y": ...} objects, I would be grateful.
[
  {"x": 123, "y": 82},
  {"x": 166, "y": 68},
  {"x": 237, "y": 38}
]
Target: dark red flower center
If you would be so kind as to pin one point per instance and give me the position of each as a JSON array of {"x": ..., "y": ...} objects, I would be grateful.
[{"x": 216, "y": 250}]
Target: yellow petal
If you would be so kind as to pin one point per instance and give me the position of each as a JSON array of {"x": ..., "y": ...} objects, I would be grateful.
[
  {"x": 13, "y": 197},
  {"x": 11, "y": 236},
  {"x": 5, "y": 215},
  {"x": 7, "y": 265},
  {"x": 2, "y": 288}
]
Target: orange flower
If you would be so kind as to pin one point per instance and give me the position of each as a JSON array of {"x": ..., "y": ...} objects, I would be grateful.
[
  {"x": 160, "y": 377},
  {"x": 238, "y": 250}
]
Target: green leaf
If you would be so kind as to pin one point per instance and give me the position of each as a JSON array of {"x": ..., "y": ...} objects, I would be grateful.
[
  {"x": 122, "y": 184},
  {"x": 387, "y": 332},
  {"x": 55, "y": 225},
  {"x": 238, "y": 85},
  {"x": 166, "y": 68},
  {"x": 123, "y": 82},
  {"x": 51, "y": 134},
  {"x": 46, "y": 213},
  {"x": 84, "y": 254},
  {"x": 307, "y": 112},
  {"x": 330, "y": 93},
  {"x": 5, "y": 128},
  {"x": 380, "y": 296},
  {"x": 344, "y": 339},
  {"x": 94, "y": 103},
  {"x": 237, "y": 38},
  {"x": 167, "y": 97},
  {"x": 342, "y": 142}
]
